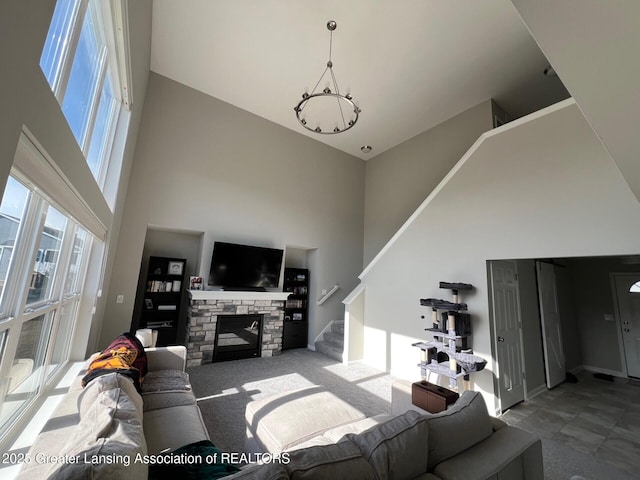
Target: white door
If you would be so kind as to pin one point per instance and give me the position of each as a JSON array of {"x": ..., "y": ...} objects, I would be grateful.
[
  {"x": 508, "y": 332},
  {"x": 551, "y": 326},
  {"x": 628, "y": 294}
]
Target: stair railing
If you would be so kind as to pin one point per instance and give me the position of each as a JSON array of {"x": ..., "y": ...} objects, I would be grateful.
[{"x": 326, "y": 296}]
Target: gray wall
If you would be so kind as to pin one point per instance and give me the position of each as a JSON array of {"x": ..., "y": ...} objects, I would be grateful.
[
  {"x": 541, "y": 186},
  {"x": 593, "y": 299},
  {"x": 202, "y": 164},
  {"x": 26, "y": 99},
  {"x": 398, "y": 180}
]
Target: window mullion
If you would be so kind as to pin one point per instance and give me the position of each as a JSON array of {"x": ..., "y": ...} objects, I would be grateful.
[
  {"x": 24, "y": 254},
  {"x": 58, "y": 290},
  {"x": 63, "y": 261},
  {"x": 105, "y": 161},
  {"x": 95, "y": 101},
  {"x": 60, "y": 88}
]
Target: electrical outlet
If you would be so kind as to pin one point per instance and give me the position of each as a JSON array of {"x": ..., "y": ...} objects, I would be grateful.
[
  {"x": 120, "y": 299},
  {"x": 324, "y": 291}
]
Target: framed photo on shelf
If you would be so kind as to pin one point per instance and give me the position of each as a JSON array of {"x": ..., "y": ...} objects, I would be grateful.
[
  {"x": 175, "y": 267},
  {"x": 195, "y": 283},
  {"x": 148, "y": 303}
]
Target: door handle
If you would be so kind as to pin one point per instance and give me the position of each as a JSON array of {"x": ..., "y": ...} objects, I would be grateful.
[{"x": 501, "y": 339}]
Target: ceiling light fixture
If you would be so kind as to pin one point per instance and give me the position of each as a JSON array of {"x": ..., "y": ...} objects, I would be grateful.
[
  {"x": 366, "y": 148},
  {"x": 329, "y": 105}
]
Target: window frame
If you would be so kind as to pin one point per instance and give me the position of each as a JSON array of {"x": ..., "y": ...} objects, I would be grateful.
[
  {"x": 113, "y": 58},
  {"x": 15, "y": 312}
]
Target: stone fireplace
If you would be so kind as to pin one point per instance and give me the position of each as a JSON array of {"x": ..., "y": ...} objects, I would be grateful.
[{"x": 205, "y": 307}]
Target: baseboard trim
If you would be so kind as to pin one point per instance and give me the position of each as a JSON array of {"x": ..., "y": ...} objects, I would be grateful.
[{"x": 606, "y": 371}]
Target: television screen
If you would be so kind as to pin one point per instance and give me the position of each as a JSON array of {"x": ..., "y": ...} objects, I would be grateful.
[{"x": 239, "y": 267}]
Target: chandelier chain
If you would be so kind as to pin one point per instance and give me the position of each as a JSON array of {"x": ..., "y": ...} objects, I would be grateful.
[
  {"x": 335, "y": 84},
  {"x": 343, "y": 101}
]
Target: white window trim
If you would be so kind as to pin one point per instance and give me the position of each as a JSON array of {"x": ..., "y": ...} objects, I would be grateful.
[{"x": 48, "y": 179}]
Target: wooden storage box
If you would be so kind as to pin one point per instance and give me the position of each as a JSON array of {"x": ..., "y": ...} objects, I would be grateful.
[{"x": 430, "y": 397}]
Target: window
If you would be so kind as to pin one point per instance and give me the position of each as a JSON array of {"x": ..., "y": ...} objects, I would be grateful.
[
  {"x": 80, "y": 63},
  {"x": 42, "y": 266}
]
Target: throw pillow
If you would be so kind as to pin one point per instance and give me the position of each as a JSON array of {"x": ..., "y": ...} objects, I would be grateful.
[
  {"x": 398, "y": 448},
  {"x": 342, "y": 461},
  {"x": 461, "y": 426}
]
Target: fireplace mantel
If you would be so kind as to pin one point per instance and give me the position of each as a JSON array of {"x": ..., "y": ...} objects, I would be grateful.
[{"x": 236, "y": 295}]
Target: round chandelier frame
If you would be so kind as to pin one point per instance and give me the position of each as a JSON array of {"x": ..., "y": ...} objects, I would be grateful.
[{"x": 341, "y": 125}]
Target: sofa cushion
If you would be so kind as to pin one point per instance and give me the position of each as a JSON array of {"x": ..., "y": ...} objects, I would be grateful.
[
  {"x": 282, "y": 421},
  {"x": 174, "y": 427},
  {"x": 111, "y": 381},
  {"x": 267, "y": 471},
  {"x": 166, "y": 381},
  {"x": 338, "y": 434},
  {"x": 158, "y": 400},
  {"x": 508, "y": 453},
  {"x": 461, "y": 426},
  {"x": 398, "y": 448},
  {"x": 335, "y": 462},
  {"x": 107, "y": 439}
]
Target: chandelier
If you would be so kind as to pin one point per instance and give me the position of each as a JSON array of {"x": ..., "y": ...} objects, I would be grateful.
[{"x": 327, "y": 107}]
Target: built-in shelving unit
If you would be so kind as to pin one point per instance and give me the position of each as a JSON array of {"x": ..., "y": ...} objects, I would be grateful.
[
  {"x": 163, "y": 295},
  {"x": 296, "y": 316}
]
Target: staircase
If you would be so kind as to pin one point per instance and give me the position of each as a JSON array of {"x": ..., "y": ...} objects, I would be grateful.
[{"x": 332, "y": 343}]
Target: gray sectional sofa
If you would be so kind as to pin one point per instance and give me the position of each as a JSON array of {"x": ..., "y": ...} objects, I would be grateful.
[
  {"x": 462, "y": 442},
  {"x": 97, "y": 431},
  {"x": 100, "y": 431}
]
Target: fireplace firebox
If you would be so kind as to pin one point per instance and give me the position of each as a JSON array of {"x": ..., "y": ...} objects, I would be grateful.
[{"x": 238, "y": 336}]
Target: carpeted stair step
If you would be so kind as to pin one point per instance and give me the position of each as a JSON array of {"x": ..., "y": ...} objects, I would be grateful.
[
  {"x": 338, "y": 327},
  {"x": 334, "y": 339},
  {"x": 329, "y": 350}
]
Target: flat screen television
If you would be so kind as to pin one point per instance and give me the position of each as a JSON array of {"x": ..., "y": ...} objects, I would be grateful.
[{"x": 245, "y": 267}]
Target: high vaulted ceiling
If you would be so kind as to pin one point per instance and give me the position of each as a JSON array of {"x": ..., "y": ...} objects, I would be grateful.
[{"x": 410, "y": 64}]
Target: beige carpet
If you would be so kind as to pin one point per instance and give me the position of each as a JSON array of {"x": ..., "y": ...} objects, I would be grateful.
[{"x": 224, "y": 389}]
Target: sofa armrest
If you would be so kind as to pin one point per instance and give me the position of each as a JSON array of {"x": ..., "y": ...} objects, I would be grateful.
[
  {"x": 497, "y": 423},
  {"x": 166, "y": 358}
]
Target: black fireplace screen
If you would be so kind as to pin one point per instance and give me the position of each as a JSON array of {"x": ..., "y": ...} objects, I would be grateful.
[{"x": 238, "y": 336}]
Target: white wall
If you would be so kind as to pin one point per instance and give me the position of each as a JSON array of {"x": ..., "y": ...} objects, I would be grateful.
[
  {"x": 601, "y": 70},
  {"x": 204, "y": 165},
  {"x": 398, "y": 180},
  {"x": 542, "y": 186},
  {"x": 26, "y": 99}
]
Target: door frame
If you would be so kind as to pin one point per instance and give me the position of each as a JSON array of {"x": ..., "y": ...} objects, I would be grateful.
[
  {"x": 618, "y": 317},
  {"x": 494, "y": 335}
]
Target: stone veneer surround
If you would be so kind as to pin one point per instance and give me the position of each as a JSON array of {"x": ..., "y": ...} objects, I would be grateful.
[{"x": 206, "y": 306}]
